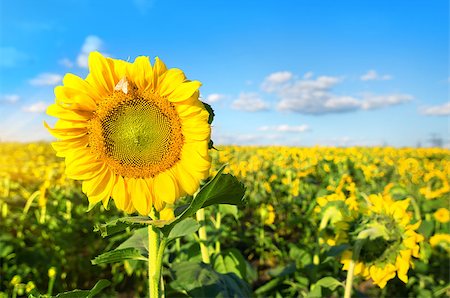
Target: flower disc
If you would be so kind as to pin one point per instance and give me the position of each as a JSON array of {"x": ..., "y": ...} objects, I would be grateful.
[{"x": 133, "y": 132}]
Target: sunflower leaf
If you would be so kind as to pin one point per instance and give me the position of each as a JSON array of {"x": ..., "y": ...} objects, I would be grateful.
[
  {"x": 210, "y": 111},
  {"x": 229, "y": 190},
  {"x": 98, "y": 287},
  {"x": 201, "y": 280},
  {"x": 118, "y": 255},
  {"x": 211, "y": 145},
  {"x": 222, "y": 189},
  {"x": 186, "y": 227},
  {"x": 144, "y": 220},
  {"x": 139, "y": 240},
  {"x": 112, "y": 227}
]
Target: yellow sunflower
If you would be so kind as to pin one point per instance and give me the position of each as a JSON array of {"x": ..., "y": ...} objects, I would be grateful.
[
  {"x": 442, "y": 215},
  {"x": 132, "y": 131},
  {"x": 390, "y": 240}
]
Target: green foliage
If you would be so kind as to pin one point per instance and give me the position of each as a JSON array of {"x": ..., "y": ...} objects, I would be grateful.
[
  {"x": 249, "y": 258},
  {"x": 201, "y": 280}
]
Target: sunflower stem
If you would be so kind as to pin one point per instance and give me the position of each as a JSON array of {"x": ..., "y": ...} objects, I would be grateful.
[
  {"x": 202, "y": 236},
  {"x": 217, "y": 226},
  {"x": 351, "y": 269},
  {"x": 155, "y": 252}
]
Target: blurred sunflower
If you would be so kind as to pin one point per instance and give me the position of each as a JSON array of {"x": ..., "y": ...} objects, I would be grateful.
[
  {"x": 442, "y": 240},
  {"x": 132, "y": 131},
  {"x": 442, "y": 215},
  {"x": 267, "y": 214},
  {"x": 387, "y": 240}
]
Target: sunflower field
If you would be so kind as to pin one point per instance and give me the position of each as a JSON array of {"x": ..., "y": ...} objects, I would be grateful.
[{"x": 314, "y": 221}]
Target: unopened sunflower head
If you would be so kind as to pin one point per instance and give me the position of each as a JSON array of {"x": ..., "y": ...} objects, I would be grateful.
[
  {"x": 135, "y": 132},
  {"x": 387, "y": 240},
  {"x": 267, "y": 214}
]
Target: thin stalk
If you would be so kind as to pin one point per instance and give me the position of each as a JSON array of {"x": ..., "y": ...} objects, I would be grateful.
[
  {"x": 153, "y": 270},
  {"x": 416, "y": 208},
  {"x": 202, "y": 236},
  {"x": 158, "y": 276},
  {"x": 217, "y": 226},
  {"x": 351, "y": 270}
]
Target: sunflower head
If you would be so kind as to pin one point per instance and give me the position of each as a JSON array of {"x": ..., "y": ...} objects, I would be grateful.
[
  {"x": 442, "y": 215},
  {"x": 387, "y": 239},
  {"x": 135, "y": 132}
]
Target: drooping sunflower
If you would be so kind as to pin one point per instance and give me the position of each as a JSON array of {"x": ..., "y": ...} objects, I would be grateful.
[
  {"x": 132, "y": 131},
  {"x": 390, "y": 240}
]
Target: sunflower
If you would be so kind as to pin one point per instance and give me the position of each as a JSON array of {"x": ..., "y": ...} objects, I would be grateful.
[
  {"x": 442, "y": 215},
  {"x": 441, "y": 240},
  {"x": 389, "y": 240},
  {"x": 132, "y": 131}
]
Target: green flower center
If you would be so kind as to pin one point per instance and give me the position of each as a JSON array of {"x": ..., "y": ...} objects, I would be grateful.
[{"x": 137, "y": 133}]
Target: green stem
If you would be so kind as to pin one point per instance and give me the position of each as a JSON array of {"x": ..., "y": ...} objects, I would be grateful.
[
  {"x": 51, "y": 283},
  {"x": 153, "y": 270},
  {"x": 218, "y": 223},
  {"x": 351, "y": 269},
  {"x": 202, "y": 236},
  {"x": 416, "y": 209}
]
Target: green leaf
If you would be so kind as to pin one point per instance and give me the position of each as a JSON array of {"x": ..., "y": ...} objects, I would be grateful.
[
  {"x": 222, "y": 189},
  {"x": 329, "y": 283},
  {"x": 145, "y": 220},
  {"x": 426, "y": 228},
  {"x": 211, "y": 145},
  {"x": 273, "y": 283},
  {"x": 316, "y": 292},
  {"x": 111, "y": 228},
  {"x": 200, "y": 280},
  {"x": 98, "y": 287},
  {"x": 183, "y": 228},
  {"x": 281, "y": 271},
  {"x": 138, "y": 240},
  {"x": 229, "y": 209},
  {"x": 227, "y": 190},
  {"x": 118, "y": 255},
  {"x": 231, "y": 261},
  {"x": 210, "y": 111}
]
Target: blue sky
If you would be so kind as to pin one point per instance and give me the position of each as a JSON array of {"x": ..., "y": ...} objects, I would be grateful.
[{"x": 304, "y": 73}]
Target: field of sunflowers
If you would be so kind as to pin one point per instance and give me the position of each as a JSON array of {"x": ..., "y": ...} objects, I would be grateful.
[{"x": 311, "y": 216}]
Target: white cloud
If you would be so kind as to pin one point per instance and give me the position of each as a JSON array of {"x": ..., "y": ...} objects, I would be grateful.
[
  {"x": 11, "y": 57},
  {"x": 372, "y": 75},
  {"x": 250, "y": 102},
  {"x": 37, "y": 107},
  {"x": 438, "y": 110},
  {"x": 308, "y": 75},
  {"x": 285, "y": 128},
  {"x": 214, "y": 97},
  {"x": 46, "y": 79},
  {"x": 315, "y": 96},
  {"x": 91, "y": 43},
  {"x": 371, "y": 102},
  {"x": 9, "y": 98},
  {"x": 66, "y": 62},
  {"x": 276, "y": 79}
]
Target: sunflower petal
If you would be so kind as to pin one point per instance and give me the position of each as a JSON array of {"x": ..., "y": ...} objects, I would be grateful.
[
  {"x": 99, "y": 188},
  {"x": 142, "y": 73},
  {"x": 165, "y": 189},
  {"x": 170, "y": 81},
  {"x": 101, "y": 74},
  {"x": 158, "y": 69},
  {"x": 184, "y": 91}
]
